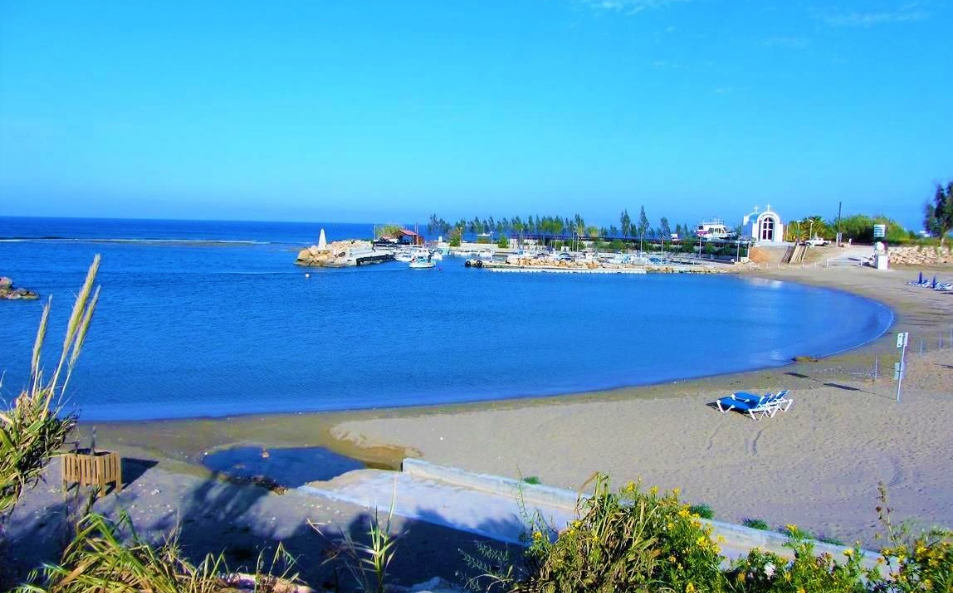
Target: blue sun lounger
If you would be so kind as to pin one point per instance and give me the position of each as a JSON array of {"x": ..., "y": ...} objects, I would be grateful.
[{"x": 756, "y": 406}]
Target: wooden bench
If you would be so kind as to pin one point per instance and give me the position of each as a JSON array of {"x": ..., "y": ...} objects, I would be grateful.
[{"x": 92, "y": 468}]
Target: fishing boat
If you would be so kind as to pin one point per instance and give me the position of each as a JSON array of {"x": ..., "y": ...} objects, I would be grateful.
[{"x": 421, "y": 262}]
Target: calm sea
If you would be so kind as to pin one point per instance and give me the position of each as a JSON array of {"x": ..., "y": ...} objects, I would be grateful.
[{"x": 214, "y": 318}]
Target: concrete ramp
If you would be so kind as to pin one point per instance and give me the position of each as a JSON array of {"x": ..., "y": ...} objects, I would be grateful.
[
  {"x": 499, "y": 508},
  {"x": 419, "y": 492}
]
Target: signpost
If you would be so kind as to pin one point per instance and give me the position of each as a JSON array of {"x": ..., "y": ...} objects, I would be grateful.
[
  {"x": 880, "y": 231},
  {"x": 900, "y": 367}
]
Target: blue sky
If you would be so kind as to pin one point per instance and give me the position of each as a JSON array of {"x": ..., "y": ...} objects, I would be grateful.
[{"x": 391, "y": 110}]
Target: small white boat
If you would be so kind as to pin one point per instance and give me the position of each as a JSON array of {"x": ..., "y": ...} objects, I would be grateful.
[
  {"x": 436, "y": 256},
  {"x": 421, "y": 263},
  {"x": 403, "y": 256}
]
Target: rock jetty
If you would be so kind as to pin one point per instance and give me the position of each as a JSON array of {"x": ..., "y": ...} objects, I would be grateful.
[
  {"x": 9, "y": 293},
  {"x": 341, "y": 254}
]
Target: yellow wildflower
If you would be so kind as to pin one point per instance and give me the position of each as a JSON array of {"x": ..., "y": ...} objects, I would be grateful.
[{"x": 689, "y": 588}]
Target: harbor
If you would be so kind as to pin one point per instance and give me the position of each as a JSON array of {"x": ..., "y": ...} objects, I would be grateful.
[{"x": 406, "y": 247}]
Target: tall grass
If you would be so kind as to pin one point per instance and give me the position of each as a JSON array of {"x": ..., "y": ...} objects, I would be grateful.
[
  {"x": 112, "y": 558},
  {"x": 32, "y": 431},
  {"x": 367, "y": 563}
]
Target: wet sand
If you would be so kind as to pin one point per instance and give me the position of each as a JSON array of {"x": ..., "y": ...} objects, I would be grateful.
[{"x": 818, "y": 465}]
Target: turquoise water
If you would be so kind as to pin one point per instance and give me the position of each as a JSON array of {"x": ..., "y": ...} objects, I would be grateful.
[{"x": 214, "y": 319}]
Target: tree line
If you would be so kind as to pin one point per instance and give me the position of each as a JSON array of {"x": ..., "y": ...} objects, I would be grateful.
[
  {"x": 559, "y": 228},
  {"x": 938, "y": 220}
]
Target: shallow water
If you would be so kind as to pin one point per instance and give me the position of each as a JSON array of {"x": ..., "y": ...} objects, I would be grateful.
[
  {"x": 221, "y": 322},
  {"x": 291, "y": 467}
]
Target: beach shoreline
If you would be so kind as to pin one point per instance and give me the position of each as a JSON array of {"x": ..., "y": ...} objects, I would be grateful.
[{"x": 564, "y": 438}]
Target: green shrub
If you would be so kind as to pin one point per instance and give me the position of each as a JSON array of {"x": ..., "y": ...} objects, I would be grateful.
[
  {"x": 766, "y": 572},
  {"x": 503, "y": 242},
  {"x": 921, "y": 563},
  {"x": 533, "y": 480},
  {"x": 756, "y": 524},
  {"x": 702, "y": 510},
  {"x": 625, "y": 541}
]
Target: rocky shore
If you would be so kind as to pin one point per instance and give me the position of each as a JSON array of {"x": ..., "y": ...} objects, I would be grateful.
[
  {"x": 920, "y": 256},
  {"x": 9, "y": 293}
]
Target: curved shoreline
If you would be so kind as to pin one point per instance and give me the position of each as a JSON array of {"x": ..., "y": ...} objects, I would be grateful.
[
  {"x": 863, "y": 350},
  {"x": 875, "y": 319},
  {"x": 817, "y": 466}
]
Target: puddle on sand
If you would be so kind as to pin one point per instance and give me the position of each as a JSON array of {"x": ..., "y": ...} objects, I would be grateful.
[{"x": 290, "y": 467}]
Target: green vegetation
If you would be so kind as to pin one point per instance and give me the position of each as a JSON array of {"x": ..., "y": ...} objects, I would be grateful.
[
  {"x": 938, "y": 216},
  {"x": 629, "y": 541},
  {"x": 646, "y": 542},
  {"x": 702, "y": 510},
  {"x": 533, "y": 480},
  {"x": 503, "y": 242},
  {"x": 857, "y": 227},
  {"x": 111, "y": 558},
  {"x": 367, "y": 563},
  {"x": 388, "y": 230},
  {"x": 756, "y": 524}
]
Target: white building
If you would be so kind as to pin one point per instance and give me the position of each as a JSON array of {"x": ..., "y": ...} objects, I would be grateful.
[{"x": 766, "y": 226}]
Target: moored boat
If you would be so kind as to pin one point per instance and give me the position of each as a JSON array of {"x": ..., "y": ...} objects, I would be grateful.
[{"x": 421, "y": 262}]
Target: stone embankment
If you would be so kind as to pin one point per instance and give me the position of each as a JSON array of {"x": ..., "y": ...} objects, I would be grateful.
[
  {"x": 338, "y": 254},
  {"x": 9, "y": 293},
  {"x": 920, "y": 256}
]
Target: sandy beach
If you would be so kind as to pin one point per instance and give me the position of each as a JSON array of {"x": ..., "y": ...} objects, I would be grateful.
[{"x": 817, "y": 465}]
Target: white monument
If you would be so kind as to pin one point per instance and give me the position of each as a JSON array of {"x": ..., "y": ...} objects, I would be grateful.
[
  {"x": 766, "y": 226},
  {"x": 881, "y": 259},
  {"x": 322, "y": 241}
]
